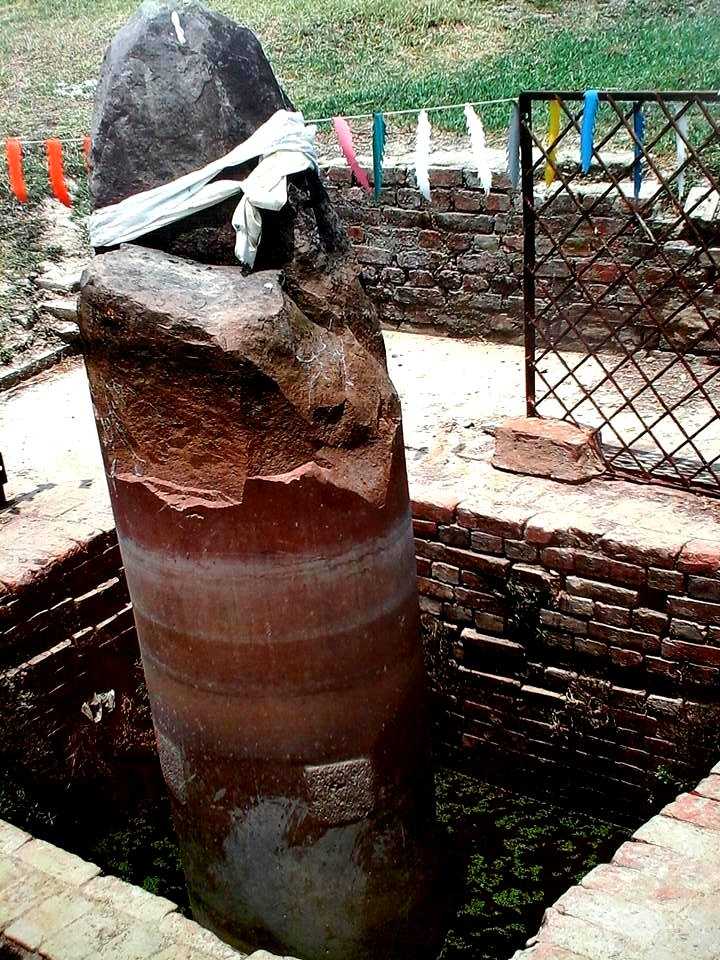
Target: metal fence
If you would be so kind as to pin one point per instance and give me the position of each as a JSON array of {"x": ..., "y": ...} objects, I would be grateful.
[{"x": 621, "y": 281}]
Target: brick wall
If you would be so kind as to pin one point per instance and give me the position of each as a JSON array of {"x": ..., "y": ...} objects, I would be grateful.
[
  {"x": 455, "y": 266},
  {"x": 66, "y": 635},
  {"x": 541, "y": 650},
  {"x": 545, "y": 649}
]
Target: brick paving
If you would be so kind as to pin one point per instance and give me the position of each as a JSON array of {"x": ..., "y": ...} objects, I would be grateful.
[
  {"x": 56, "y": 906},
  {"x": 56, "y": 480}
]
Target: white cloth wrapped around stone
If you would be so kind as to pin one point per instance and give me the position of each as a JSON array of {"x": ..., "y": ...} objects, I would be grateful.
[{"x": 285, "y": 146}]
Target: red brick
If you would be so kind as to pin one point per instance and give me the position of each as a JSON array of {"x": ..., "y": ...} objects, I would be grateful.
[
  {"x": 709, "y": 787},
  {"x": 430, "y": 240},
  {"x": 549, "y": 698},
  {"x": 695, "y": 652},
  {"x": 619, "y": 636},
  {"x": 479, "y": 600},
  {"x": 497, "y": 646},
  {"x": 596, "y": 566},
  {"x": 445, "y": 573},
  {"x": 649, "y": 620},
  {"x": 430, "y": 550},
  {"x": 664, "y": 706},
  {"x": 438, "y": 512},
  {"x": 481, "y": 563},
  {"x": 702, "y": 676},
  {"x": 704, "y": 588},
  {"x": 700, "y": 610},
  {"x": 628, "y": 698},
  {"x": 693, "y": 809},
  {"x": 508, "y": 686},
  {"x": 671, "y": 581},
  {"x": 558, "y": 558},
  {"x": 432, "y": 607},
  {"x": 456, "y": 613},
  {"x": 486, "y": 542},
  {"x": 633, "y": 720},
  {"x": 454, "y": 536},
  {"x": 489, "y": 621},
  {"x": 601, "y": 591},
  {"x": 423, "y": 566},
  {"x": 700, "y": 556},
  {"x": 535, "y": 576},
  {"x": 687, "y": 630},
  {"x": 590, "y": 648},
  {"x": 577, "y": 606},
  {"x": 468, "y": 201},
  {"x": 425, "y": 529},
  {"x": 649, "y": 548},
  {"x": 521, "y": 550},
  {"x": 499, "y": 526},
  {"x": 628, "y": 659},
  {"x": 547, "y": 447},
  {"x": 556, "y": 677},
  {"x": 431, "y": 588},
  {"x": 664, "y": 668},
  {"x": 617, "y": 616}
]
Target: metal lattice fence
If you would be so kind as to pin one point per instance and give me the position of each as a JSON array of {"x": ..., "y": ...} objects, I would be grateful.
[{"x": 621, "y": 280}]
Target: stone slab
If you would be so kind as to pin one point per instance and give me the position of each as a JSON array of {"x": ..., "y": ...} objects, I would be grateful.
[
  {"x": 57, "y": 863},
  {"x": 49, "y": 915},
  {"x": 543, "y": 447}
]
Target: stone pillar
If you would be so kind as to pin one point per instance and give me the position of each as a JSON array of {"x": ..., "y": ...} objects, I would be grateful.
[{"x": 256, "y": 468}]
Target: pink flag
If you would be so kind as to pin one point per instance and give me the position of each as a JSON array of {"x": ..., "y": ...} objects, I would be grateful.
[{"x": 344, "y": 136}]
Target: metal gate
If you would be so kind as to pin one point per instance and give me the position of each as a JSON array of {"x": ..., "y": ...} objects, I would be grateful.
[{"x": 621, "y": 281}]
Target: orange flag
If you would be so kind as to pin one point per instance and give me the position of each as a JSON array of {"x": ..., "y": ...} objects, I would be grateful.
[
  {"x": 53, "y": 149},
  {"x": 13, "y": 151}
]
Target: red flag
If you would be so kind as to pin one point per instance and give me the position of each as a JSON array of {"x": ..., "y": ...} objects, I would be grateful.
[
  {"x": 53, "y": 148},
  {"x": 13, "y": 151}
]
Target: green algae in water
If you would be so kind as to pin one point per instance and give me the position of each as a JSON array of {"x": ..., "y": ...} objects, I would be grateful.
[
  {"x": 510, "y": 855},
  {"x": 518, "y": 854}
]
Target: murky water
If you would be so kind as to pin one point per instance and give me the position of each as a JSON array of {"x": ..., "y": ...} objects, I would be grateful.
[{"x": 510, "y": 854}]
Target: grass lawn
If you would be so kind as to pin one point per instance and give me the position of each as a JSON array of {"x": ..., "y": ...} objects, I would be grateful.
[{"x": 359, "y": 55}]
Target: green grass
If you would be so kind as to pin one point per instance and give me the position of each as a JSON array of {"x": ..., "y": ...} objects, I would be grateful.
[
  {"x": 344, "y": 56},
  {"x": 359, "y": 55}
]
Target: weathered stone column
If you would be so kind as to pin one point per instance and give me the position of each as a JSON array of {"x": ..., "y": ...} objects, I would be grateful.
[
  {"x": 255, "y": 460},
  {"x": 256, "y": 468}
]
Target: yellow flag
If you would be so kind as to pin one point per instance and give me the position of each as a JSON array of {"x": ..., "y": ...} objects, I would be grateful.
[{"x": 553, "y": 134}]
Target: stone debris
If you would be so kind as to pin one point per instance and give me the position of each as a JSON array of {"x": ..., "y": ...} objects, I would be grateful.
[
  {"x": 60, "y": 278},
  {"x": 93, "y": 709},
  {"x": 541, "y": 447},
  {"x": 67, "y": 330},
  {"x": 64, "y": 308}
]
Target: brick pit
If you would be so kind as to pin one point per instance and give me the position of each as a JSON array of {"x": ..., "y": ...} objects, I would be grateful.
[
  {"x": 551, "y": 646},
  {"x": 556, "y": 641}
]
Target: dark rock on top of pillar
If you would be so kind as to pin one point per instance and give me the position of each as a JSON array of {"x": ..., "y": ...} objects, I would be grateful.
[{"x": 165, "y": 107}]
